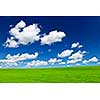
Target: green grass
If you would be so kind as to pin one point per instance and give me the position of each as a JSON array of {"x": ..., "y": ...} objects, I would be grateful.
[{"x": 51, "y": 75}]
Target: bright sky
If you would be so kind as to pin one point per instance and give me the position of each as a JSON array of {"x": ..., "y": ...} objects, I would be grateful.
[{"x": 49, "y": 41}]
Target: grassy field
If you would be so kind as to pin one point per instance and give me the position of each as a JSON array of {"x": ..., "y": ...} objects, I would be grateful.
[{"x": 51, "y": 75}]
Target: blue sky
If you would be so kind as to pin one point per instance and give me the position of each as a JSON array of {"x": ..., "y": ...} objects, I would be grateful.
[{"x": 49, "y": 41}]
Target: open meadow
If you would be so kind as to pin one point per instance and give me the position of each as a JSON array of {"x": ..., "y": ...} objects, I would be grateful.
[{"x": 51, "y": 75}]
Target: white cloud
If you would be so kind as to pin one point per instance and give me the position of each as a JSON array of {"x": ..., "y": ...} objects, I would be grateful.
[
  {"x": 11, "y": 43},
  {"x": 37, "y": 63},
  {"x": 8, "y": 64},
  {"x": 93, "y": 59},
  {"x": 54, "y": 36},
  {"x": 16, "y": 60},
  {"x": 44, "y": 63},
  {"x": 54, "y": 60},
  {"x": 20, "y": 25},
  {"x": 24, "y": 56},
  {"x": 76, "y": 57},
  {"x": 7, "y": 61},
  {"x": 98, "y": 62},
  {"x": 80, "y": 46},
  {"x": 18, "y": 57},
  {"x": 85, "y": 61},
  {"x": 74, "y": 45},
  {"x": 23, "y": 34},
  {"x": 62, "y": 63},
  {"x": 65, "y": 53},
  {"x": 73, "y": 61}
]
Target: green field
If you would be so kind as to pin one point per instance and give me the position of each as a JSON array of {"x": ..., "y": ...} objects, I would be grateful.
[{"x": 51, "y": 75}]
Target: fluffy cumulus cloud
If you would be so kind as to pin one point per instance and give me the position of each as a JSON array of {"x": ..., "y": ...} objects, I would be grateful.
[
  {"x": 76, "y": 57},
  {"x": 37, "y": 63},
  {"x": 53, "y": 36},
  {"x": 65, "y": 53},
  {"x": 74, "y": 45},
  {"x": 22, "y": 34},
  {"x": 93, "y": 59},
  {"x": 54, "y": 60}
]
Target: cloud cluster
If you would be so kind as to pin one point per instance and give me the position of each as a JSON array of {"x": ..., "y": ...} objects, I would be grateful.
[
  {"x": 24, "y": 35},
  {"x": 21, "y": 34},
  {"x": 76, "y": 57},
  {"x": 73, "y": 58},
  {"x": 51, "y": 61},
  {"x": 69, "y": 54},
  {"x": 17, "y": 60},
  {"x": 18, "y": 57}
]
